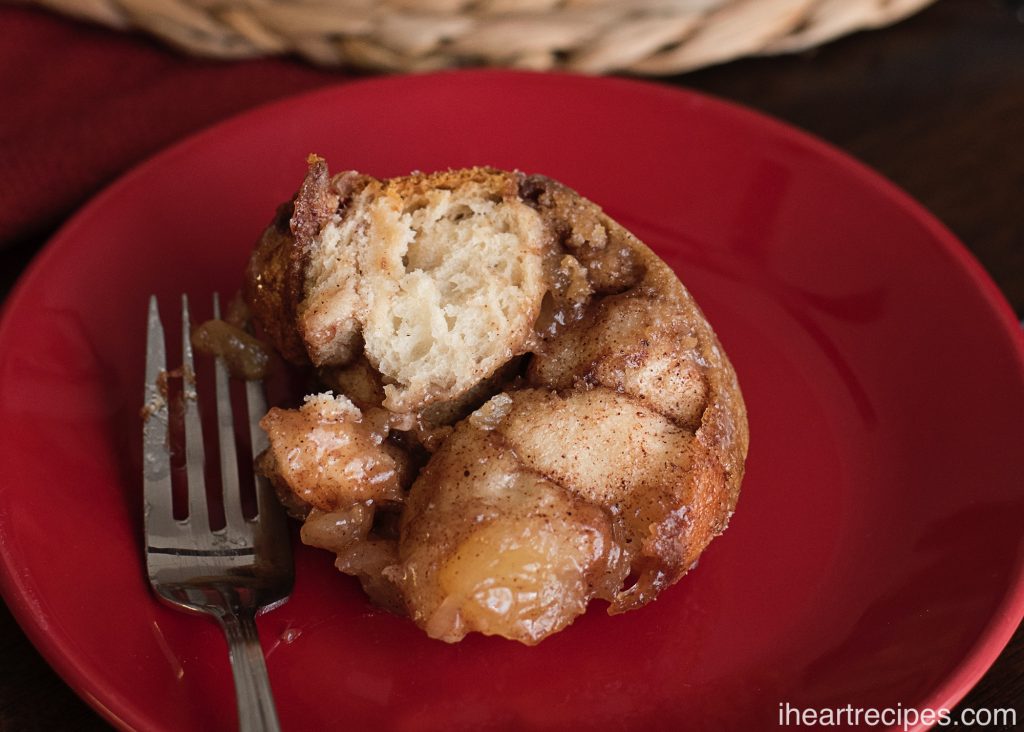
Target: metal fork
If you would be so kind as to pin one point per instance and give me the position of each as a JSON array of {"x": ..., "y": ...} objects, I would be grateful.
[{"x": 233, "y": 573}]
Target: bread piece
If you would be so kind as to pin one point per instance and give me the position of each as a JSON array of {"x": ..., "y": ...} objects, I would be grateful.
[
  {"x": 489, "y": 546},
  {"x": 329, "y": 456},
  {"x": 437, "y": 279},
  {"x": 636, "y": 343},
  {"x": 597, "y": 443},
  {"x": 451, "y": 281},
  {"x": 656, "y": 480}
]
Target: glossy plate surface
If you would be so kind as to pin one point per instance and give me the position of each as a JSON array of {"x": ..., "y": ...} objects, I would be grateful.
[{"x": 876, "y": 555}]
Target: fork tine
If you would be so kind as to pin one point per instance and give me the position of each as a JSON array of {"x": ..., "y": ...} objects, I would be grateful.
[
  {"x": 156, "y": 456},
  {"x": 256, "y": 403},
  {"x": 234, "y": 519},
  {"x": 194, "y": 458}
]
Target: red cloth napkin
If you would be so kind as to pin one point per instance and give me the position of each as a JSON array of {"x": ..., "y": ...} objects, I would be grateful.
[{"x": 79, "y": 105}]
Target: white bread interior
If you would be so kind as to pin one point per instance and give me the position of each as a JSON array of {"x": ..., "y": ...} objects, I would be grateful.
[{"x": 440, "y": 274}]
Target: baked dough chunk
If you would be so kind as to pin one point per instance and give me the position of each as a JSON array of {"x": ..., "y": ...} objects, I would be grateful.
[
  {"x": 488, "y": 545},
  {"x": 536, "y": 412},
  {"x": 636, "y": 343},
  {"x": 437, "y": 279},
  {"x": 328, "y": 455}
]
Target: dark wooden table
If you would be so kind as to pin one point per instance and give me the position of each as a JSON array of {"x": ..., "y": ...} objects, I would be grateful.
[{"x": 935, "y": 103}]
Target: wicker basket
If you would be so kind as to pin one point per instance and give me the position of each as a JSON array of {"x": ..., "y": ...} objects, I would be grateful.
[{"x": 651, "y": 37}]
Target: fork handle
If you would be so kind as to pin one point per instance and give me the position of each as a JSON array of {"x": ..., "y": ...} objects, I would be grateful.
[{"x": 256, "y": 711}]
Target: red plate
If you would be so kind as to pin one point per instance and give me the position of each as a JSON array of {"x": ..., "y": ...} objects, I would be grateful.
[{"x": 876, "y": 555}]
